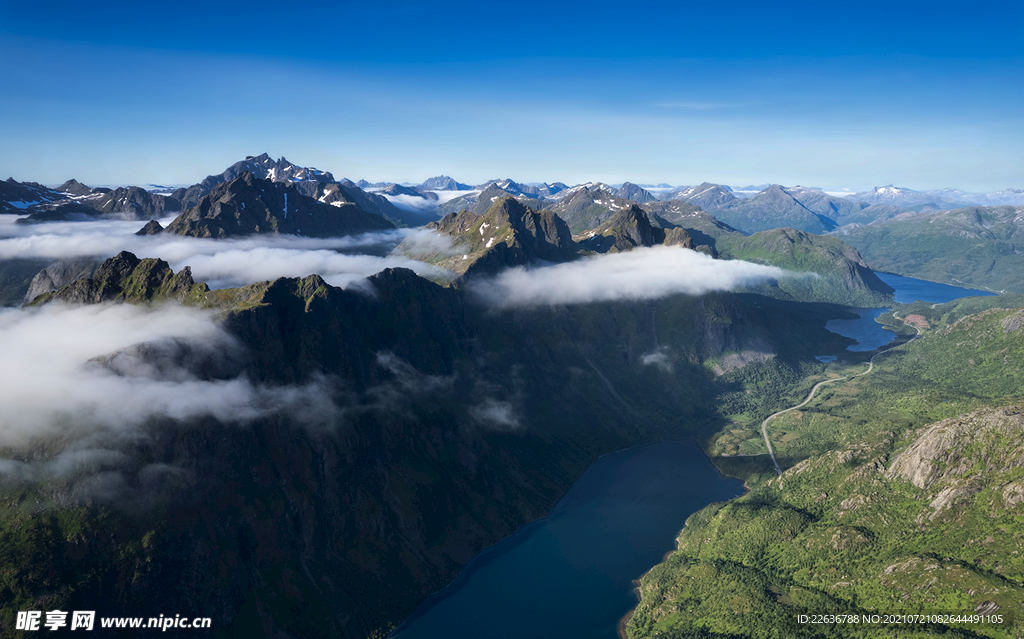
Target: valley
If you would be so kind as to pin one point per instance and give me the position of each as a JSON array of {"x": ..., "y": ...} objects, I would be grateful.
[
  {"x": 879, "y": 506},
  {"x": 355, "y": 409}
]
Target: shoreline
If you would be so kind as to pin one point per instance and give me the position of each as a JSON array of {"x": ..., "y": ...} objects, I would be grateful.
[
  {"x": 626, "y": 618},
  {"x": 690, "y": 438}
]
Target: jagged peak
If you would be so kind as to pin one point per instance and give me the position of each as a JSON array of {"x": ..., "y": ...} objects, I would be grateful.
[{"x": 118, "y": 267}]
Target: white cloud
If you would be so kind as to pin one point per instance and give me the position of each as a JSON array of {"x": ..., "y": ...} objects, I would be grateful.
[
  {"x": 413, "y": 203},
  {"x": 645, "y": 273},
  {"x": 447, "y": 196},
  {"x": 658, "y": 357},
  {"x": 223, "y": 263},
  {"x": 50, "y": 385},
  {"x": 495, "y": 414}
]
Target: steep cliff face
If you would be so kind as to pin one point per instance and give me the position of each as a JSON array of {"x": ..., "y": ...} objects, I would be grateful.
[
  {"x": 248, "y": 205},
  {"x": 59, "y": 274},
  {"x": 842, "y": 276},
  {"x": 631, "y": 228},
  {"x": 508, "y": 234}
]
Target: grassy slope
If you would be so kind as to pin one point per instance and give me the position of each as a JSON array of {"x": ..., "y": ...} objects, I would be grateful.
[
  {"x": 841, "y": 530},
  {"x": 843, "y": 278},
  {"x": 979, "y": 247}
]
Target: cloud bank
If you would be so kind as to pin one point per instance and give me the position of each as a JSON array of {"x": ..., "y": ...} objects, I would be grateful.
[
  {"x": 645, "y": 273},
  {"x": 224, "y": 263},
  {"x": 52, "y": 384}
]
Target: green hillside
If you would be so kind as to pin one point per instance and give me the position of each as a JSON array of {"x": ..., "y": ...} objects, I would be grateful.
[
  {"x": 842, "y": 276},
  {"x": 979, "y": 247},
  {"x": 903, "y": 492}
]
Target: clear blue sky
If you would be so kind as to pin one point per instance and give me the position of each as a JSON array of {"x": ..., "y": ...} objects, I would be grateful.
[{"x": 920, "y": 94}]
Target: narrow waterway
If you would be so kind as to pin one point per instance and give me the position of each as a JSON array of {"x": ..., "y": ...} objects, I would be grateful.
[
  {"x": 570, "y": 576},
  {"x": 871, "y": 335}
]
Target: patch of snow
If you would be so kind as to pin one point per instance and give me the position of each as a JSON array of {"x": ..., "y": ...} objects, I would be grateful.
[{"x": 490, "y": 242}]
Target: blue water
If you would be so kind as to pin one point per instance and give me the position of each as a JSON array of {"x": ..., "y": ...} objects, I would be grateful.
[
  {"x": 870, "y": 334},
  {"x": 570, "y": 576}
]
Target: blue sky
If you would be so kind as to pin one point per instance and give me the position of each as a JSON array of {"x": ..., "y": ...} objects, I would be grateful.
[{"x": 923, "y": 95}]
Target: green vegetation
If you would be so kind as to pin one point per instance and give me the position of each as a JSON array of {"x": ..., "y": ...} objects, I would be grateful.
[
  {"x": 842, "y": 276},
  {"x": 460, "y": 425},
  {"x": 877, "y": 511},
  {"x": 977, "y": 247}
]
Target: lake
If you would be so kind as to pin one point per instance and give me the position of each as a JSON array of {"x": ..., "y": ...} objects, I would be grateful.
[
  {"x": 870, "y": 334},
  {"x": 570, "y": 575}
]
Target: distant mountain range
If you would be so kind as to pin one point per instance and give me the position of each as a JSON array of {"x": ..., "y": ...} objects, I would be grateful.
[
  {"x": 882, "y": 222},
  {"x": 583, "y": 206}
]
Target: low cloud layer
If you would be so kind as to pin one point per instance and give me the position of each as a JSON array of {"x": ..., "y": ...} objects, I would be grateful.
[
  {"x": 52, "y": 385},
  {"x": 222, "y": 263},
  {"x": 419, "y": 204},
  {"x": 645, "y": 273}
]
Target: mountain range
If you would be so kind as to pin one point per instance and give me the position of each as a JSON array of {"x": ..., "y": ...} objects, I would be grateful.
[
  {"x": 248, "y": 205},
  {"x": 459, "y": 426},
  {"x": 976, "y": 246},
  {"x": 399, "y": 426}
]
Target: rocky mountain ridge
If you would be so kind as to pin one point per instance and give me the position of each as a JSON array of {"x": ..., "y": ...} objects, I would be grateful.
[{"x": 249, "y": 205}]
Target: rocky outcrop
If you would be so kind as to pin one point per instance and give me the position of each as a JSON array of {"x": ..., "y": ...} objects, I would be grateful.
[
  {"x": 1013, "y": 322},
  {"x": 126, "y": 278},
  {"x": 74, "y": 187},
  {"x": 133, "y": 203},
  {"x": 627, "y": 229},
  {"x": 248, "y": 205},
  {"x": 943, "y": 451},
  {"x": 508, "y": 234},
  {"x": 60, "y": 274},
  {"x": 631, "y": 228},
  {"x": 152, "y": 227},
  {"x": 955, "y": 459}
]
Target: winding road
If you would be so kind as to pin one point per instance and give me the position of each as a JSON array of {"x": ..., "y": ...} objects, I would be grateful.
[{"x": 810, "y": 396}]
